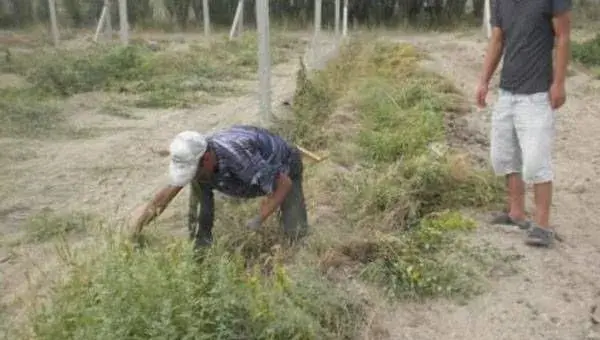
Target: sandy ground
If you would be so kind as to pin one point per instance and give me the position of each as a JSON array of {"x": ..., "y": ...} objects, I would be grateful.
[{"x": 549, "y": 297}]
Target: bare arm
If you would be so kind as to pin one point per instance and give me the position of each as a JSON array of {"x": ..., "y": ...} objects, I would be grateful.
[
  {"x": 274, "y": 200},
  {"x": 154, "y": 208},
  {"x": 492, "y": 55},
  {"x": 562, "y": 29}
]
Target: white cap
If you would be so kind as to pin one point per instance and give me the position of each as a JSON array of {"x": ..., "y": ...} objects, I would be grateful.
[{"x": 186, "y": 149}]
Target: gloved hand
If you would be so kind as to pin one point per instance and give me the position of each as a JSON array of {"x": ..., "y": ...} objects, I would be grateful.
[{"x": 254, "y": 223}]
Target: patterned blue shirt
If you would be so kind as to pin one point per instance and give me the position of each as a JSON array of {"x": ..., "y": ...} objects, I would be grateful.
[{"x": 249, "y": 161}]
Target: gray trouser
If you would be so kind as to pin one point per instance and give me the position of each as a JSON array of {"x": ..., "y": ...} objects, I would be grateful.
[
  {"x": 522, "y": 135},
  {"x": 293, "y": 217}
]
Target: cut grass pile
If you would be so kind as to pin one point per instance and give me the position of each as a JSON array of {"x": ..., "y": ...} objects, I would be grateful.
[{"x": 391, "y": 220}]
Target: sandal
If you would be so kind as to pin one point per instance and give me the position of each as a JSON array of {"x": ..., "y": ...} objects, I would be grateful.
[{"x": 504, "y": 218}]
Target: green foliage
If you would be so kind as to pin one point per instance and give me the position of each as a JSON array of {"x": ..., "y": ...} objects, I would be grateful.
[
  {"x": 414, "y": 263},
  {"x": 25, "y": 112},
  {"x": 312, "y": 106},
  {"x": 180, "y": 9},
  {"x": 403, "y": 186},
  {"x": 588, "y": 52},
  {"x": 401, "y": 122},
  {"x": 169, "y": 293},
  {"x": 66, "y": 73},
  {"x": 397, "y": 195},
  {"x": 48, "y": 225},
  {"x": 372, "y": 13},
  {"x": 161, "y": 78}
]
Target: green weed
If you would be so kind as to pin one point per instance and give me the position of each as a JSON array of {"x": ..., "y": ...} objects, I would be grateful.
[
  {"x": 48, "y": 225},
  {"x": 167, "y": 78},
  {"x": 588, "y": 52},
  {"x": 400, "y": 179},
  {"x": 167, "y": 293},
  {"x": 27, "y": 113}
]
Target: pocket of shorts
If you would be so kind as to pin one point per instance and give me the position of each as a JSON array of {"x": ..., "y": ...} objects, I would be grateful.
[{"x": 540, "y": 98}]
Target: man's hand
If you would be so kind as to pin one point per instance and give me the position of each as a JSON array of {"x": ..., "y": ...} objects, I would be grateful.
[
  {"x": 136, "y": 219},
  {"x": 481, "y": 94},
  {"x": 255, "y": 223},
  {"x": 558, "y": 96},
  {"x": 146, "y": 213}
]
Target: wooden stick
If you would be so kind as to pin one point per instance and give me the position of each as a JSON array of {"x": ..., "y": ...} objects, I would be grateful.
[{"x": 309, "y": 154}]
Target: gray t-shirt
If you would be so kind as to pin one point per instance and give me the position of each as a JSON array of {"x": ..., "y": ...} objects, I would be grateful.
[{"x": 528, "y": 42}]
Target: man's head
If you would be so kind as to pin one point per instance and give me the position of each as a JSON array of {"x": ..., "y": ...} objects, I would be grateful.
[{"x": 190, "y": 158}]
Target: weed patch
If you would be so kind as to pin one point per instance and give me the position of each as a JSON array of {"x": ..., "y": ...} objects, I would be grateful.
[
  {"x": 588, "y": 52},
  {"x": 48, "y": 225},
  {"x": 164, "y": 78},
  {"x": 26, "y": 112},
  {"x": 393, "y": 221},
  {"x": 153, "y": 294},
  {"x": 404, "y": 188}
]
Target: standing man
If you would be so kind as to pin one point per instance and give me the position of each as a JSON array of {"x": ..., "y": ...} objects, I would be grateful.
[
  {"x": 242, "y": 161},
  {"x": 532, "y": 87}
]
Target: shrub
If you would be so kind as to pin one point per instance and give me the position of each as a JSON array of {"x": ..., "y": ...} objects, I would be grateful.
[
  {"x": 588, "y": 52},
  {"x": 162, "y": 78},
  {"x": 415, "y": 264},
  {"x": 167, "y": 293},
  {"x": 400, "y": 181},
  {"x": 25, "y": 112}
]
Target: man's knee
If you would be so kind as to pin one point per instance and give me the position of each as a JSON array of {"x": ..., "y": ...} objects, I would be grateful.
[
  {"x": 537, "y": 168},
  {"x": 535, "y": 123},
  {"x": 505, "y": 156}
]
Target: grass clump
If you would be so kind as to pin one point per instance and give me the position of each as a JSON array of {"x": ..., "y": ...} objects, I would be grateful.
[
  {"x": 162, "y": 78},
  {"x": 402, "y": 185},
  {"x": 167, "y": 293},
  {"x": 48, "y": 225},
  {"x": 25, "y": 112},
  {"x": 588, "y": 53},
  {"x": 415, "y": 263}
]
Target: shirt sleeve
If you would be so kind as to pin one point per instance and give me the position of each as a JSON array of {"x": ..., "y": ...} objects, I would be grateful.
[
  {"x": 252, "y": 169},
  {"x": 561, "y": 6},
  {"x": 495, "y": 18}
]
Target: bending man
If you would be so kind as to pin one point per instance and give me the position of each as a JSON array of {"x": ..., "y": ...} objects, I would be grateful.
[{"x": 242, "y": 161}]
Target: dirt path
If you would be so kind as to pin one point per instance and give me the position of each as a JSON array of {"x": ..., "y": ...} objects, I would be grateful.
[{"x": 551, "y": 295}]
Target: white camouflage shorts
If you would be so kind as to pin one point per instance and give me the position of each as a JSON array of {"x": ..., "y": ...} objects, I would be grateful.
[{"x": 522, "y": 136}]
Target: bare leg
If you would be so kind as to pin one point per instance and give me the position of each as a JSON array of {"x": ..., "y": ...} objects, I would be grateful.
[
  {"x": 516, "y": 196},
  {"x": 543, "y": 201}
]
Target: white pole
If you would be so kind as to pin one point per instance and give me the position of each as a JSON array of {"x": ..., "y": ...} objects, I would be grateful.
[
  {"x": 337, "y": 17},
  {"x": 240, "y": 24},
  {"x": 236, "y": 20},
  {"x": 487, "y": 27},
  {"x": 345, "y": 19},
  {"x": 100, "y": 23},
  {"x": 264, "y": 59},
  {"x": 53, "y": 22},
  {"x": 108, "y": 22},
  {"x": 123, "y": 22},
  {"x": 206, "y": 17},
  {"x": 318, "y": 8}
]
